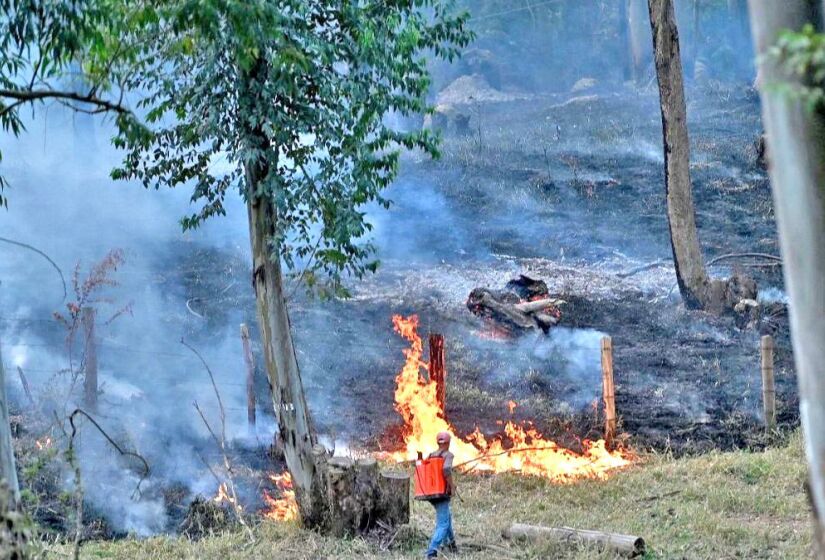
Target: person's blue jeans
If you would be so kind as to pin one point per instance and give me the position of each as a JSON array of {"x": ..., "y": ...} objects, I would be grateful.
[{"x": 443, "y": 534}]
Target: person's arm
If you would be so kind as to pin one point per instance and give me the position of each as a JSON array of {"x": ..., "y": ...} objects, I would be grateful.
[{"x": 448, "y": 474}]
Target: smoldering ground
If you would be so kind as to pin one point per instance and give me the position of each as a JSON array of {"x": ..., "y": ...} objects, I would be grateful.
[{"x": 569, "y": 192}]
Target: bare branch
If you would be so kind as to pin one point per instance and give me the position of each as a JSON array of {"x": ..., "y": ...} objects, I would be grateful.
[
  {"x": 113, "y": 443},
  {"x": 42, "y": 254},
  {"x": 30, "y": 96}
]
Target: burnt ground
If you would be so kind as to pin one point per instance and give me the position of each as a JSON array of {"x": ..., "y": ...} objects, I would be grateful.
[
  {"x": 567, "y": 191},
  {"x": 570, "y": 192}
]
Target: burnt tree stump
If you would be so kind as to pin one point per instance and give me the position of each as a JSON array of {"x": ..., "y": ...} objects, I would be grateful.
[
  {"x": 395, "y": 497},
  {"x": 359, "y": 495},
  {"x": 437, "y": 370}
]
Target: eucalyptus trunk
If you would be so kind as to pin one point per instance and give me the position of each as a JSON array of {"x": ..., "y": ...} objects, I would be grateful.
[
  {"x": 294, "y": 423},
  {"x": 295, "y": 427},
  {"x": 796, "y": 138},
  {"x": 684, "y": 239},
  {"x": 8, "y": 471}
]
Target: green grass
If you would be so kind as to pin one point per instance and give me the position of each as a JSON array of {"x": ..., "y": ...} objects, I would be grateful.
[{"x": 719, "y": 505}]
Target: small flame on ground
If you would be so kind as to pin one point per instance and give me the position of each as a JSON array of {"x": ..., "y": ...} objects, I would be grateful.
[
  {"x": 43, "y": 443},
  {"x": 284, "y": 508},
  {"x": 224, "y": 497},
  {"x": 529, "y": 452},
  {"x": 511, "y": 406}
]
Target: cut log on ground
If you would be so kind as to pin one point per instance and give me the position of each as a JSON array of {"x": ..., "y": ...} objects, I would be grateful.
[
  {"x": 525, "y": 305},
  {"x": 623, "y": 544}
]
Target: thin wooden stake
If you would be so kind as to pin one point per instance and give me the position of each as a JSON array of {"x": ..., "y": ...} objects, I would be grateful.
[
  {"x": 608, "y": 390},
  {"x": 90, "y": 359},
  {"x": 250, "y": 376},
  {"x": 26, "y": 388},
  {"x": 768, "y": 386},
  {"x": 437, "y": 371}
]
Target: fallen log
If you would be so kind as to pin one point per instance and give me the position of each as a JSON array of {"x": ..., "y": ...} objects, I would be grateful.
[
  {"x": 538, "y": 305},
  {"x": 623, "y": 544},
  {"x": 511, "y": 313}
]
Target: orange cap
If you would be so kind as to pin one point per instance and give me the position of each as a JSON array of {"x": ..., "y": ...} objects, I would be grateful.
[{"x": 443, "y": 437}]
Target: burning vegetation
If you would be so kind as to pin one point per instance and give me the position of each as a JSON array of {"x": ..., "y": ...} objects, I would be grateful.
[
  {"x": 284, "y": 508},
  {"x": 522, "y": 449}
]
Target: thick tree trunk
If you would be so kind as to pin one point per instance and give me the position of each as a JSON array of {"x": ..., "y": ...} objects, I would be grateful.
[
  {"x": 294, "y": 423},
  {"x": 687, "y": 255},
  {"x": 360, "y": 495},
  {"x": 797, "y": 170},
  {"x": 8, "y": 471},
  {"x": 639, "y": 41}
]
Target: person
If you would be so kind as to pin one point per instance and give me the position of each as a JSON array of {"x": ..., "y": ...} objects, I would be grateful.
[{"x": 443, "y": 535}]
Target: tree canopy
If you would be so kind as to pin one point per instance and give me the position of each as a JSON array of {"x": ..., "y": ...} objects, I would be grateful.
[{"x": 199, "y": 89}]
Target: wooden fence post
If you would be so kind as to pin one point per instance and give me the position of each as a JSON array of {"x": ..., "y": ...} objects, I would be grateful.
[
  {"x": 250, "y": 376},
  {"x": 90, "y": 359},
  {"x": 608, "y": 390},
  {"x": 768, "y": 385},
  {"x": 437, "y": 370}
]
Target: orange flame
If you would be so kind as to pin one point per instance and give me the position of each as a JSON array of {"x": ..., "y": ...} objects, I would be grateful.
[
  {"x": 511, "y": 406},
  {"x": 285, "y": 508},
  {"x": 43, "y": 443},
  {"x": 223, "y": 496},
  {"x": 530, "y": 452}
]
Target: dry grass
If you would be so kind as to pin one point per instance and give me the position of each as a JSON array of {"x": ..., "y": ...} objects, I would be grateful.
[{"x": 720, "y": 505}]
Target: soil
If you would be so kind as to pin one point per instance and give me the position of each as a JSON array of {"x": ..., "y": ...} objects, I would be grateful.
[
  {"x": 569, "y": 189},
  {"x": 572, "y": 193}
]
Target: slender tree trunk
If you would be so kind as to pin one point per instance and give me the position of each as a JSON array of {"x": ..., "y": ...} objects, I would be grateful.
[
  {"x": 294, "y": 423},
  {"x": 797, "y": 170},
  {"x": 639, "y": 41},
  {"x": 8, "y": 471},
  {"x": 687, "y": 255}
]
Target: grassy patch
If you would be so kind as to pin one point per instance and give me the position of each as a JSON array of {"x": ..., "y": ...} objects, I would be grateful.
[{"x": 719, "y": 505}]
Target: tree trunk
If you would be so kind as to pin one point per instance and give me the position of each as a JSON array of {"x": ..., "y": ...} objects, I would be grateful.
[
  {"x": 395, "y": 497},
  {"x": 687, "y": 256},
  {"x": 8, "y": 471},
  {"x": 639, "y": 41},
  {"x": 359, "y": 496},
  {"x": 797, "y": 169},
  {"x": 294, "y": 423}
]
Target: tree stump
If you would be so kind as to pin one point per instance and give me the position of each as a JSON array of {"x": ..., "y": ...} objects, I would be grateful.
[
  {"x": 359, "y": 495},
  {"x": 395, "y": 497}
]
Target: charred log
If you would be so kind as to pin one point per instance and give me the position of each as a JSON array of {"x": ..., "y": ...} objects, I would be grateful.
[{"x": 526, "y": 305}]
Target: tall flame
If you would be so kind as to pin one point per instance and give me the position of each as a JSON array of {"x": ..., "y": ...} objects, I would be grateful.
[
  {"x": 284, "y": 508},
  {"x": 529, "y": 452}
]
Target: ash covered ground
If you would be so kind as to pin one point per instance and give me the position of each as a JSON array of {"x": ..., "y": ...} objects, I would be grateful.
[{"x": 567, "y": 188}]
